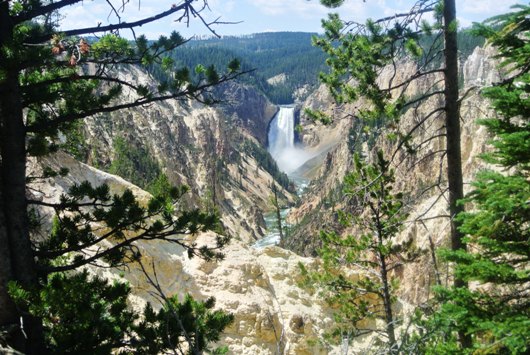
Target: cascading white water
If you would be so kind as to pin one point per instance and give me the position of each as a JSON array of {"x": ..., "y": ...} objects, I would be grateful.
[
  {"x": 281, "y": 133},
  {"x": 289, "y": 157},
  {"x": 281, "y": 142}
]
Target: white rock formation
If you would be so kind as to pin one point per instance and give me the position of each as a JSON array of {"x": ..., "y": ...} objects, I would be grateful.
[{"x": 258, "y": 286}]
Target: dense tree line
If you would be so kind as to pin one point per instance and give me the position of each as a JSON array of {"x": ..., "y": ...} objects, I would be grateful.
[
  {"x": 268, "y": 54},
  {"x": 272, "y": 54}
]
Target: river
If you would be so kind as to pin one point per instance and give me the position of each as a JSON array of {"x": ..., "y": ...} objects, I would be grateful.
[{"x": 289, "y": 156}]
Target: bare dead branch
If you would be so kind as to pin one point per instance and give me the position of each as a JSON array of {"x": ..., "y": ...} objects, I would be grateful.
[{"x": 186, "y": 5}]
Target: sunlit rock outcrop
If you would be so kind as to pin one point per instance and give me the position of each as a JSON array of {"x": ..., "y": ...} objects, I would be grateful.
[{"x": 259, "y": 286}]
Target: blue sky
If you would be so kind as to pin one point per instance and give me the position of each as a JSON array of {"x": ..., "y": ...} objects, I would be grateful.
[{"x": 262, "y": 15}]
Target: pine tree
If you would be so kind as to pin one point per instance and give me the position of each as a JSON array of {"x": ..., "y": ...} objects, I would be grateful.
[
  {"x": 45, "y": 89},
  {"x": 375, "y": 214},
  {"x": 358, "y": 53},
  {"x": 496, "y": 312}
]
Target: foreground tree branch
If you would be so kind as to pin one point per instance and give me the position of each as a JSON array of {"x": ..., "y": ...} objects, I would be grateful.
[
  {"x": 37, "y": 100},
  {"x": 185, "y": 6}
]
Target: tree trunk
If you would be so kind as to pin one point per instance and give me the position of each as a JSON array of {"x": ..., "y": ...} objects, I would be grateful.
[
  {"x": 8, "y": 313},
  {"x": 452, "y": 123},
  {"x": 14, "y": 218},
  {"x": 387, "y": 299}
]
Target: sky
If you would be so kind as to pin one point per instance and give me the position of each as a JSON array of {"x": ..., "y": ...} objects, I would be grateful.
[{"x": 254, "y": 16}]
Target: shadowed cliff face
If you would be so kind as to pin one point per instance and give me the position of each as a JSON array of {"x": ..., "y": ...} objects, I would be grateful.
[{"x": 248, "y": 109}]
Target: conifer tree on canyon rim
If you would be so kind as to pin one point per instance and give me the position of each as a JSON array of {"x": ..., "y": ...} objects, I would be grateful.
[
  {"x": 359, "y": 53},
  {"x": 496, "y": 313},
  {"x": 45, "y": 88}
]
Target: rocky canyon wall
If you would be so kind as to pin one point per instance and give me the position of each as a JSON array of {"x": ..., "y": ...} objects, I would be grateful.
[
  {"x": 421, "y": 176},
  {"x": 199, "y": 146},
  {"x": 258, "y": 286}
]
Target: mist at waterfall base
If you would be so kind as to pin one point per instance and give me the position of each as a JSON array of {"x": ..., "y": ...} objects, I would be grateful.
[
  {"x": 282, "y": 147},
  {"x": 289, "y": 157}
]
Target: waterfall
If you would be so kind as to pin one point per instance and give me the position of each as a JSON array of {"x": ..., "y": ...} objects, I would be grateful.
[
  {"x": 289, "y": 157},
  {"x": 281, "y": 133},
  {"x": 282, "y": 147}
]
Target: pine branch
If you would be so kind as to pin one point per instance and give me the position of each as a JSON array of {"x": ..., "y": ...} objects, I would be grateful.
[
  {"x": 186, "y": 6},
  {"x": 43, "y": 10},
  {"x": 187, "y": 93}
]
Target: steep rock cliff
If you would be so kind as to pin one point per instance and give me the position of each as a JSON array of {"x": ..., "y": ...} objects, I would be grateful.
[
  {"x": 248, "y": 108},
  {"x": 414, "y": 174},
  {"x": 199, "y": 146}
]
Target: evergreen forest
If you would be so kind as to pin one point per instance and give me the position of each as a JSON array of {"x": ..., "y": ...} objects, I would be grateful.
[{"x": 266, "y": 54}]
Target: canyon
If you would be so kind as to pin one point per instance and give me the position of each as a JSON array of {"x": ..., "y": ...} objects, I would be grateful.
[{"x": 218, "y": 152}]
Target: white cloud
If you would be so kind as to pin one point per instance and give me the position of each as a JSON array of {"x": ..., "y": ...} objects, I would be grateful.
[
  {"x": 225, "y": 6},
  {"x": 469, "y": 11},
  {"x": 294, "y": 8},
  {"x": 485, "y": 8},
  {"x": 79, "y": 16},
  {"x": 260, "y": 15}
]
